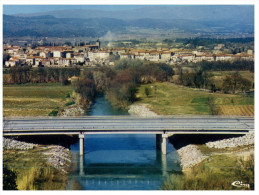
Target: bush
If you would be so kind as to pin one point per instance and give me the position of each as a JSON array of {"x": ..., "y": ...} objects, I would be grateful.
[
  {"x": 147, "y": 91},
  {"x": 9, "y": 179},
  {"x": 53, "y": 113},
  {"x": 70, "y": 103}
]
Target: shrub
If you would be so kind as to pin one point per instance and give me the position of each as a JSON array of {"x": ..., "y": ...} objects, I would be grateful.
[
  {"x": 70, "y": 103},
  {"x": 9, "y": 179},
  {"x": 53, "y": 113}
]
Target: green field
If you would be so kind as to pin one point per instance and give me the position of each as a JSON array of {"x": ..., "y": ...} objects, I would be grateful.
[
  {"x": 171, "y": 99},
  {"x": 34, "y": 99}
]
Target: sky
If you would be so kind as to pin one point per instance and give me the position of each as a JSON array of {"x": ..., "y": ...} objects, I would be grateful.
[{"x": 17, "y": 9}]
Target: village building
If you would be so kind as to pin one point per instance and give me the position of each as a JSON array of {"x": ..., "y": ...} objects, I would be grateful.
[
  {"x": 127, "y": 55},
  {"x": 13, "y": 61},
  {"x": 250, "y": 52},
  {"x": 98, "y": 55},
  {"x": 166, "y": 56},
  {"x": 153, "y": 56},
  {"x": 56, "y": 54}
]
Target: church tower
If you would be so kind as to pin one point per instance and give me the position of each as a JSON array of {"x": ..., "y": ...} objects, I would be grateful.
[{"x": 98, "y": 43}]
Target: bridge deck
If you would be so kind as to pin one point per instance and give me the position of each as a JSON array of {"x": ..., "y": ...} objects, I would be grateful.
[{"x": 127, "y": 125}]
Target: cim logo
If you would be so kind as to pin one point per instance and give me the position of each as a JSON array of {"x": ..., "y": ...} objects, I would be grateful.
[{"x": 240, "y": 184}]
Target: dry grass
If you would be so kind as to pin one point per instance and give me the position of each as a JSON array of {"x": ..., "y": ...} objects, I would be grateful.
[
  {"x": 33, "y": 172},
  {"x": 240, "y": 110},
  {"x": 215, "y": 173}
]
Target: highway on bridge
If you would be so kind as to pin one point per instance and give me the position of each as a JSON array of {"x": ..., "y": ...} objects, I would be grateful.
[
  {"x": 127, "y": 124},
  {"x": 162, "y": 126}
]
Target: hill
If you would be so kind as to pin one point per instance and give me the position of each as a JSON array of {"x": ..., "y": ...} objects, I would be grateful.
[{"x": 96, "y": 23}]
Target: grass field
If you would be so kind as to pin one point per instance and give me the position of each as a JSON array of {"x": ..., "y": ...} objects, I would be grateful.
[
  {"x": 171, "y": 99},
  {"x": 33, "y": 99}
]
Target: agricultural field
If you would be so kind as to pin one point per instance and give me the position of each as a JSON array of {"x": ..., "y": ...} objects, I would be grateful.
[
  {"x": 171, "y": 99},
  {"x": 34, "y": 99}
]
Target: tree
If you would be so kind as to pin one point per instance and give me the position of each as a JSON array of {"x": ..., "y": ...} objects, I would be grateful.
[
  {"x": 235, "y": 82},
  {"x": 6, "y": 57},
  {"x": 147, "y": 91}
]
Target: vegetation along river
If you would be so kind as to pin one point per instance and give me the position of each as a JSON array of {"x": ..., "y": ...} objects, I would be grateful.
[{"x": 120, "y": 162}]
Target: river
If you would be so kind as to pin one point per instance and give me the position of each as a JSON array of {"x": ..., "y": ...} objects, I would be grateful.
[{"x": 120, "y": 162}]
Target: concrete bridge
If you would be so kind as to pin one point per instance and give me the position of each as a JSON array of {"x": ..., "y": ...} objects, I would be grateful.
[{"x": 163, "y": 126}]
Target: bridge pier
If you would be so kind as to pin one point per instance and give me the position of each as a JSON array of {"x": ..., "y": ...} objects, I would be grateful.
[
  {"x": 81, "y": 164},
  {"x": 81, "y": 144},
  {"x": 164, "y": 165},
  {"x": 161, "y": 141},
  {"x": 163, "y": 144}
]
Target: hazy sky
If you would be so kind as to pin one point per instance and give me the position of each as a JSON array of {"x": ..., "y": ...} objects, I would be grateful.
[{"x": 17, "y": 9}]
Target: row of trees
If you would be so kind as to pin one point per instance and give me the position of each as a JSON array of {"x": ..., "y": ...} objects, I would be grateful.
[
  {"x": 237, "y": 65},
  {"x": 27, "y": 74}
]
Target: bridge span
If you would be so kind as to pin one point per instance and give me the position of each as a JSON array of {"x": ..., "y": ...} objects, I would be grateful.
[{"x": 162, "y": 126}]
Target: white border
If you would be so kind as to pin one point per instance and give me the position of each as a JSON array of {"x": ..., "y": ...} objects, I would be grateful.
[{"x": 142, "y": 2}]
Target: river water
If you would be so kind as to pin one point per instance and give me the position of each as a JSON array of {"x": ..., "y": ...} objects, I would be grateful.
[{"x": 120, "y": 162}]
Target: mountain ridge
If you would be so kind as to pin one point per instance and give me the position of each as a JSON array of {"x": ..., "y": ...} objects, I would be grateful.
[{"x": 193, "y": 12}]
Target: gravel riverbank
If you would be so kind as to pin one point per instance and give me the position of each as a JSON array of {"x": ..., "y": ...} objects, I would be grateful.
[
  {"x": 72, "y": 111},
  {"x": 11, "y": 144},
  {"x": 55, "y": 155},
  {"x": 190, "y": 155},
  {"x": 58, "y": 157},
  {"x": 232, "y": 142},
  {"x": 141, "y": 110}
]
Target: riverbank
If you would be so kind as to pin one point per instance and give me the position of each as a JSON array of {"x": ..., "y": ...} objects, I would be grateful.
[
  {"x": 55, "y": 155},
  {"x": 196, "y": 151},
  {"x": 209, "y": 162},
  {"x": 189, "y": 152},
  {"x": 37, "y": 166}
]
